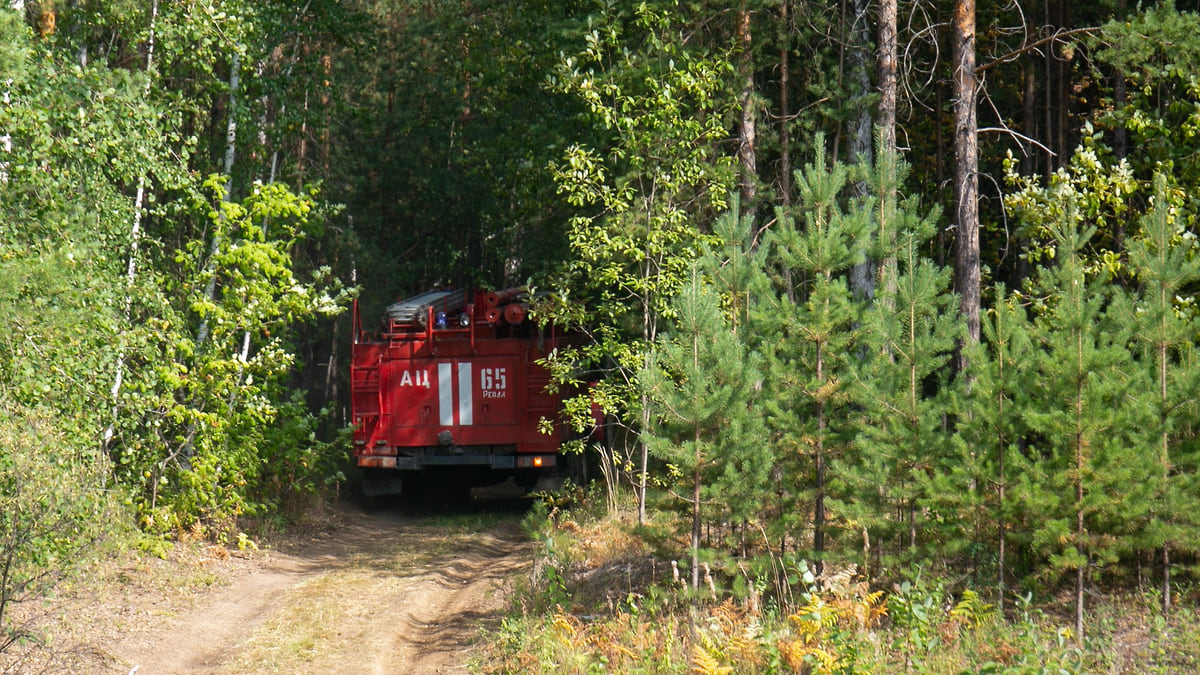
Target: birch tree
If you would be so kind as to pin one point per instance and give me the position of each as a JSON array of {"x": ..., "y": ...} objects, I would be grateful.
[{"x": 135, "y": 235}]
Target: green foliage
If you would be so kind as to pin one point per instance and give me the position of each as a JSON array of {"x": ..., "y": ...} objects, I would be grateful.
[
  {"x": 992, "y": 433},
  {"x": 910, "y": 331},
  {"x": 917, "y": 609},
  {"x": 1158, "y": 51},
  {"x": 1030, "y": 644},
  {"x": 442, "y": 146},
  {"x": 1155, "y": 51},
  {"x": 644, "y": 194},
  {"x": 1163, "y": 258},
  {"x": 211, "y": 431},
  {"x": 1097, "y": 481},
  {"x": 1098, "y": 188},
  {"x": 921, "y": 623},
  {"x": 489, "y": 142},
  {"x": 15, "y": 41},
  {"x": 106, "y": 224},
  {"x": 77, "y": 134},
  {"x": 972, "y": 610},
  {"x": 656, "y": 181}
]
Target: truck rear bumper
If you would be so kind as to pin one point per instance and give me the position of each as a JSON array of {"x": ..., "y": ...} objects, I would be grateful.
[{"x": 499, "y": 462}]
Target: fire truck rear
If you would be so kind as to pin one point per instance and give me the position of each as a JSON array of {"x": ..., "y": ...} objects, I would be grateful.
[{"x": 449, "y": 391}]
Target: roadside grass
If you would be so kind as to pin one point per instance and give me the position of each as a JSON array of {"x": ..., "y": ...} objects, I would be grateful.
[{"x": 600, "y": 600}]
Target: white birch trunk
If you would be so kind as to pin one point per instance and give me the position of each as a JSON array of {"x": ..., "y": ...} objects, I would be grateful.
[
  {"x": 5, "y": 139},
  {"x": 135, "y": 235},
  {"x": 244, "y": 356},
  {"x": 747, "y": 140},
  {"x": 210, "y": 291}
]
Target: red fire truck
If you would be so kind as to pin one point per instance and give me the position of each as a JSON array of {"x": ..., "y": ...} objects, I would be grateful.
[{"x": 448, "y": 391}]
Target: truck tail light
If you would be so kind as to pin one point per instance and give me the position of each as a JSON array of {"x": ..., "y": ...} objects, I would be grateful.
[
  {"x": 535, "y": 461},
  {"x": 377, "y": 462}
]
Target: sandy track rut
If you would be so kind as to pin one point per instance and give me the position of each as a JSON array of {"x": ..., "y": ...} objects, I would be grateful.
[{"x": 380, "y": 593}]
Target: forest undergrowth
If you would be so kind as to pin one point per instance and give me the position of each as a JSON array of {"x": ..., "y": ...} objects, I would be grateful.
[{"x": 606, "y": 595}]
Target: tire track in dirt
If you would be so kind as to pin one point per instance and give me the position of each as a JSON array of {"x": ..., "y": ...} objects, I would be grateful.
[
  {"x": 380, "y": 593},
  {"x": 439, "y": 615},
  {"x": 198, "y": 640}
]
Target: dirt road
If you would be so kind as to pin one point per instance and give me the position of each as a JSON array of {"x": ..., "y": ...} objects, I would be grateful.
[{"x": 378, "y": 592}]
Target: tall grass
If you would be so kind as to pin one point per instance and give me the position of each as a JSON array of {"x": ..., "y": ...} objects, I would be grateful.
[{"x": 602, "y": 599}]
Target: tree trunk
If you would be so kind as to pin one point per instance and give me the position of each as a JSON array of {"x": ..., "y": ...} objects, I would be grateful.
[
  {"x": 696, "y": 514},
  {"x": 939, "y": 159},
  {"x": 886, "y": 67},
  {"x": 1065, "y": 85},
  {"x": 643, "y": 474},
  {"x": 1000, "y": 524},
  {"x": 1120, "y": 137},
  {"x": 135, "y": 236},
  {"x": 966, "y": 164},
  {"x": 887, "y": 75},
  {"x": 819, "y": 492},
  {"x": 1048, "y": 110},
  {"x": 862, "y": 275},
  {"x": 785, "y": 112},
  {"x": 649, "y": 332},
  {"x": 1001, "y": 447},
  {"x": 1163, "y": 358},
  {"x": 785, "y": 137},
  {"x": 210, "y": 291},
  {"x": 5, "y": 139},
  {"x": 747, "y": 139},
  {"x": 1029, "y": 127},
  {"x": 1081, "y": 376}
]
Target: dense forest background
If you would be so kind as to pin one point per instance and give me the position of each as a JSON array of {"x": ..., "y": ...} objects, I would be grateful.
[{"x": 882, "y": 282}]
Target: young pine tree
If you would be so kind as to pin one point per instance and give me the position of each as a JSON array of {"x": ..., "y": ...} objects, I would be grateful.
[
  {"x": 1092, "y": 432},
  {"x": 813, "y": 326},
  {"x": 700, "y": 384},
  {"x": 1164, "y": 260},
  {"x": 991, "y": 430},
  {"x": 913, "y": 329},
  {"x": 733, "y": 263}
]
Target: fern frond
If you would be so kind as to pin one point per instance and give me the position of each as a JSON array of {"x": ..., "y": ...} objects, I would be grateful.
[
  {"x": 972, "y": 610},
  {"x": 704, "y": 663},
  {"x": 567, "y": 627}
]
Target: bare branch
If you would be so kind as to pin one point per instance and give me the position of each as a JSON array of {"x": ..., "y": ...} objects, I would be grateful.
[
  {"x": 1058, "y": 35},
  {"x": 1020, "y": 137}
]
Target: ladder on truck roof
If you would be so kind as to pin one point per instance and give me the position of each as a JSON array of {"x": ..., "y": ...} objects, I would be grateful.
[{"x": 416, "y": 309}]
